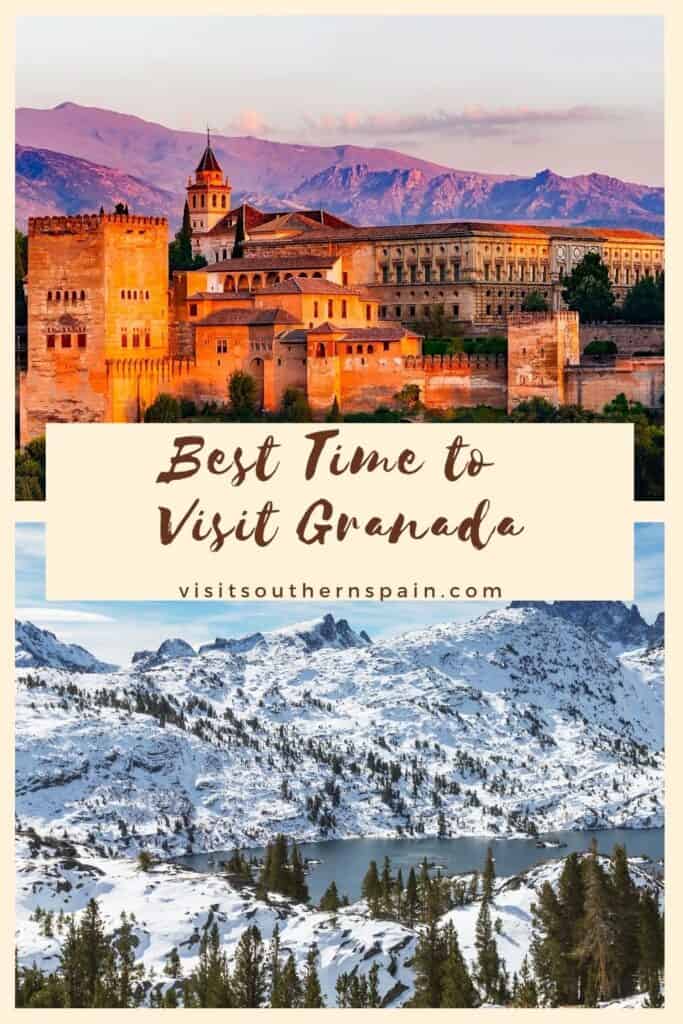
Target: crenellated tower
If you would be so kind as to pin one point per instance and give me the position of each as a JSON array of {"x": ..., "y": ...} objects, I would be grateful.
[{"x": 208, "y": 195}]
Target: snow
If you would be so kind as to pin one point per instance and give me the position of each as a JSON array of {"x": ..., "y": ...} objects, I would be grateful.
[
  {"x": 525, "y": 714},
  {"x": 171, "y": 906}
]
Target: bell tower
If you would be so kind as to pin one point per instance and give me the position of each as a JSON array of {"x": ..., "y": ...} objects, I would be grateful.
[{"x": 208, "y": 195}]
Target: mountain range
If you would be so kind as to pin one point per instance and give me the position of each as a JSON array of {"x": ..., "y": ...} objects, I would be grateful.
[
  {"x": 72, "y": 159},
  {"x": 516, "y": 722}
]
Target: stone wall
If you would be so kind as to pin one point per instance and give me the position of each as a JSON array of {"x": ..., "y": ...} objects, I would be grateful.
[
  {"x": 641, "y": 380},
  {"x": 629, "y": 338}
]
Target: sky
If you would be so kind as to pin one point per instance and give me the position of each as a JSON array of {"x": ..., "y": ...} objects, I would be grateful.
[
  {"x": 115, "y": 630},
  {"x": 495, "y": 94}
]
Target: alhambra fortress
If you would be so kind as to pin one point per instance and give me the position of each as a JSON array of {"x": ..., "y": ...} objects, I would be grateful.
[{"x": 301, "y": 299}]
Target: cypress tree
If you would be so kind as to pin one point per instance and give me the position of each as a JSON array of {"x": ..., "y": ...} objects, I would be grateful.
[
  {"x": 371, "y": 888},
  {"x": 411, "y": 900},
  {"x": 299, "y": 889}
]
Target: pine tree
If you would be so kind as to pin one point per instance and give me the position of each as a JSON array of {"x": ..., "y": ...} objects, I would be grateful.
[
  {"x": 488, "y": 877},
  {"x": 428, "y": 966},
  {"x": 457, "y": 989},
  {"x": 312, "y": 993},
  {"x": 373, "y": 1000},
  {"x": 596, "y": 949},
  {"x": 94, "y": 951},
  {"x": 173, "y": 967},
  {"x": 411, "y": 901},
  {"x": 371, "y": 888},
  {"x": 571, "y": 895},
  {"x": 330, "y": 898},
  {"x": 291, "y": 992},
  {"x": 525, "y": 994},
  {"x": 488, "y": 962},
  {"x": 299, "y": 889},
  {"x": 275, "y": 969},
  {"x": 651, "y": 945},
  {"x": 249, "y": 975},
  {"x": 626, "y": 909}
]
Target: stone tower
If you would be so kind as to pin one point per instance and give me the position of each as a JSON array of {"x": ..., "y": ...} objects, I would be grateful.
[
  {"x": 208, "y": 195},
  {"x": 540, "y": 348}
]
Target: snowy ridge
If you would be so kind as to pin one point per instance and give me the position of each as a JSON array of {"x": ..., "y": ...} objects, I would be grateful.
[
  {"x": 38, "y": 648},
  {"x": 517, "y": 720}
]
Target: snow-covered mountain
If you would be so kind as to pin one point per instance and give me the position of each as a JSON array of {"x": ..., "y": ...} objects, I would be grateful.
[
  {"x": 38, "y": 648},
  {"x": 517, "y": 720},
  {"x": 611, "y": 621}
]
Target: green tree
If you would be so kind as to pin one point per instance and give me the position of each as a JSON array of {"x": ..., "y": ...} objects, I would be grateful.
[
  {"x": 312, "y": 993},
  {"x": 408, "y": 400},
  {"x": 534, "y": 302},
  {"x": 29, "y": 471},
  {"x": 596, "y": 949},
  {"x": 20, "y": 271},
  {"x": 371, "y": 889},
  {"x": 457, "y": 989},
  {"x": 295, "y": 407},
  {"x": 588, "y": 289},
  {"x": 488, "y": 964},
  {"x": 526, "y": 995},
  {"x": 330, "y": 898},
  {"x": 625, "y": 910},
  {"x": 488, "y": 877},
  {"x": 644, "y": 302},
  {"x": 428, "y": 966},
  {"x": 164, "y": 409},
  {"x": 180, "y": 255},
  {"x": 242, "y": 393},
  {"x": 249, "y": 974},
  {"x": 290, "y": 990}
]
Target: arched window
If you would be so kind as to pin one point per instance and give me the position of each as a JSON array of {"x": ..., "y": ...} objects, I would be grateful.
[
  {"x": 194, "y": 202},
  {"x": 82, "y": 296},
  {"x": 359, "y": 349},
  {"x": 229, "y": 283},
  {"x": 317, "y": 274},
  {"x": 49, "y": 296},
  {"x": 315, "y": 309},
  {"x": 135, "y": 294},
  {"x": 148, "y": 340},
  {"x": 320, "y": 350},
  {"x": 330, "y": 307},
  {"x": 370, "y": 350},
  {"x": 343, "y": 309},
  {"x": 203, "y": 203},
  {"x": 146, "y": 295},
  {"x": 58, "y": 296},
  {"x": 223, "y": 201},
  {"x": 214, "y": 199},
  {"x": 256, "y": 282},
  {"x": 124, "y": 340},
  {"x": 368, "y": 313},
  {"x": 129, "y": 295},
  {"x": 303, "y": 274},
  {"x": 243, "y": 283},
  {"x": 349, "y": 350},
  {"x": 74, "y": 297}
]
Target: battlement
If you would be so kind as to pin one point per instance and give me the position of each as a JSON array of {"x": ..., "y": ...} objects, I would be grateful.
[
  {"x": 455, "y": 361},
  {"x": 84, "y": 223},
  {"x": 525, "y": 319}
]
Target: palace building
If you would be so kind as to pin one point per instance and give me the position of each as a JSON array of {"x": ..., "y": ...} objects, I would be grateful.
[{"x": 301, "y": 299}]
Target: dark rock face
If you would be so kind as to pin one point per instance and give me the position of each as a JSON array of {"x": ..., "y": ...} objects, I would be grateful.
[
  {"x": 167, "y": 651},
  {"x": 332, "y": 633},
  {"x": 610, "y": 621}
]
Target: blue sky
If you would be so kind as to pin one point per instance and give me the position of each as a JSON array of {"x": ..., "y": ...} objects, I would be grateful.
[
  {"x": 114, "y": 630},
  {"x": 497, "y": 94}
]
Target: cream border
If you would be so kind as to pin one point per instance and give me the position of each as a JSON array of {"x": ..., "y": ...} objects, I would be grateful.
[{"x": 669, "y": 511}]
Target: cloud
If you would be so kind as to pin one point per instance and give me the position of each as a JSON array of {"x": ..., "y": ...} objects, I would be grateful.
[
  {"x": 249, "y": 122},
  {"x": 51, "y": 614},
  {"x": 471, "y": 121}
]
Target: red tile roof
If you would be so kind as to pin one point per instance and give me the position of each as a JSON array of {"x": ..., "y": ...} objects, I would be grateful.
[{"x": 247, "y": 317}]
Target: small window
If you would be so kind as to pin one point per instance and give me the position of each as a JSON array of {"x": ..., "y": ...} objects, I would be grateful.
[
  {"x": 368, "y": 313},
  {"x": 136, "y": 339},
  {"x": 82, "y": 340},
  {"x": 49, "y": 296},
  {"x": 194, "y": 201},
  {"x": 330, "y": 307},
  {"x": 124, "y": 340},
  {"x": 129, "y": 294},
  {"x": 343, "y": 309},
  {"x": 58, "y": 296},
  {"x": 214, "y": 199},
  {"x": 74, "y": 297},
  {"x": 359, "y": 349},
  {"x": 135, "y": 294},
  {"x": 397, "y": 310},
  {"x": 371, "y": 349},
  {"x": 315, "y": 309},
  {"x": 148, "y": 340},
  {"x": 223, "y": 205},
  {"x": 82, "y": 296},
  {"x": 385, "y": 346},
  {"x": 123, "y": 294},
  {"x": 147, "y": 296},
  {"x": 193, "y": 309},
  {"x": 66, "y": 341},
  {"x": 50, "y": 341},
  {"x": 349, "y": 350},
  {"x": 345, "y": 278}
]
